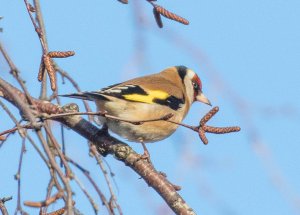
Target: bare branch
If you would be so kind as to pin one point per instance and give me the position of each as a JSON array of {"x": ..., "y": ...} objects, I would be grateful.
[
  {"x": 2, "y": 205},
  {"x": 94, "y": 184},
  {"x": 15, "y": 72},
  {"x": 46, "y": 202},
  {"x": 113, "y": 199},
  {"x": 64, "y": 179},
  {"x": 4, "y": 86},
  {"x": 18, "y": 177},
  {"x": 91, "y": 200}
]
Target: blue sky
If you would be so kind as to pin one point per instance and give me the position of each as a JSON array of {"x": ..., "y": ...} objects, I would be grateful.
[{"x": 247, "y": 55}]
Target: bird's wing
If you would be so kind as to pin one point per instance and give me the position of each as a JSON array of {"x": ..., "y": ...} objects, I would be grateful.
[
  {"x": 152, "y": 90},
  {"x": 145, "y": 90}
]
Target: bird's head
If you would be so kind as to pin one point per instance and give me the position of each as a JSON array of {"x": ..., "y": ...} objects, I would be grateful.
[{"x": 192, "y": 84}]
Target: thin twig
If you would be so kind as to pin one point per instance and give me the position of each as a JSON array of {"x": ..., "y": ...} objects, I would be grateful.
[
  {"x": 63, "y": 144},
  {"x": 58, "y": 150},
  {"x": 2, "y": 205},
  {"x": 104, "y": 114},
  {"x": 46, "y": 202},
  {"x": 14, "y": 129},
  {"x": 47, "y": 62},
  {"x": 50, "y": 186},
  {"x": 38, "y": 150},
  {"x": 22, "y": 132},
  {"x": 37, "y": 28},
  {"x": 113, "y": 199},
  {"x": 94, "y": 184},
  {"x": 201, "y": 129},
  {"x": 86, "y": 193},
  {"x": 18, "y": 177},
  {"x": 57, "y": 169},
  {"x": 15, "y": 97},
  {"x": 66, "y": 75},
  {"x": 40, "y": 21},
  {"x": 13, "y": 118},
  {"x": 16, "y": 73}
]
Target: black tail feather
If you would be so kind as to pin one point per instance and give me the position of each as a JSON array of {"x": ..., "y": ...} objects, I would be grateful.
[
  {"x": 77, "y": 96},
  {"x": 91, "y": 96}
]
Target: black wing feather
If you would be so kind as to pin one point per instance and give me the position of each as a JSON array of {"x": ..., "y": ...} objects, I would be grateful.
[{"x": 121, "y": 91}]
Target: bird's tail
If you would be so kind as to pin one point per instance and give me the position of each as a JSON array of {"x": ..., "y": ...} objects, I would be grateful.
[
  {"x": 82, "y": 95},
  {"x": 91, "y": 96}
]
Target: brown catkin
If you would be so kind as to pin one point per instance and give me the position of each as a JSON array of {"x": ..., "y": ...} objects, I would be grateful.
[
  {"x": 41, "y": 69},
  {"x": 57, "y": 212},
  {"x": 223, "y": 130},
  {"x": 202, "y": 136},
  {"x": 164, "y": 12},
  {"x": 157, "y": 18},
  {"x": 209, "y": 115},
  {"x": 51, "y": 71},
  {"x": 57, "y": 54}
]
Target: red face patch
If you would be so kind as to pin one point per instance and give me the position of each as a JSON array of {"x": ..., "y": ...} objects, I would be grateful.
[
  {"x": 198, "y": 81},
  {"x": 197, "y": 85}
]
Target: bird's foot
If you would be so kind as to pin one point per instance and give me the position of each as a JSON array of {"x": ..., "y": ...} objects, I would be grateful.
[
  {"x": 162, "y": 174},
  {"x": 146, "y": 154},
  {"x": 104, "y": 128}
]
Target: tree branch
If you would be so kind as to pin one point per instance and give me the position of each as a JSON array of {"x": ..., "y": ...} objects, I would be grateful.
[
  {"x": 107, "y": 144},
  {"x": 2, "y": 206}
]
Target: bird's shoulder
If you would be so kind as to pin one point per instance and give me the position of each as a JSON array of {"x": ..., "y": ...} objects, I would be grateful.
[{"x": 144, "y": 86}]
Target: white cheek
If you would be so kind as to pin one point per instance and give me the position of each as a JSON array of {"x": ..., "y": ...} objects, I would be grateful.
[{"x": 189, "y": 90}]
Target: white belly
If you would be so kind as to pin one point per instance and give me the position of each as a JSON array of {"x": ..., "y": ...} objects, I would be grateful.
[{"x": 147, "y": 131}]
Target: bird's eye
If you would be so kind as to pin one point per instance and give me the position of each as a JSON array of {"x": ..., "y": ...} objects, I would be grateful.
[{"x": 196, "y": 86}]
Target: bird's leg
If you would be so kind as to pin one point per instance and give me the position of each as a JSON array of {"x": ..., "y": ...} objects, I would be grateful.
[
  {"x": 146, "y": 154},
  {"x": 104, "y": 128}
]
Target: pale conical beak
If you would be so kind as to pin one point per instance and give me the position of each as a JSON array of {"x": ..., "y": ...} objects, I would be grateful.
[{"x": 201, "y": 98}]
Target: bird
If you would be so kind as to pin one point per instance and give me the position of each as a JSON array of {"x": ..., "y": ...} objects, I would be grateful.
[{"x": 171, "y": 91}]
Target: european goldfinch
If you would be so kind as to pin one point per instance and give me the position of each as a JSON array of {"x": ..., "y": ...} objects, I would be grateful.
[{"x": 171, "y": 91}]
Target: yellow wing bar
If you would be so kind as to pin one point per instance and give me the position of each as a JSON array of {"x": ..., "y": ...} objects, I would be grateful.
[{"x": 152, "y": 95}]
